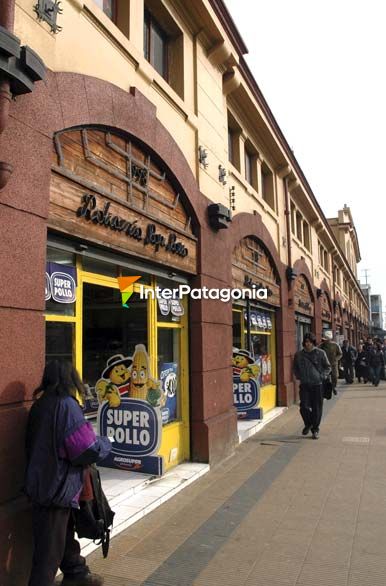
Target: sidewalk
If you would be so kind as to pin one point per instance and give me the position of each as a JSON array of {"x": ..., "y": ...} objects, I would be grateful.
[{"x": 284, "y": 510}]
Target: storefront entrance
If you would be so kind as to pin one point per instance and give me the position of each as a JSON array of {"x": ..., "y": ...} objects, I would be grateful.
[{"x": 96, "y": 330}]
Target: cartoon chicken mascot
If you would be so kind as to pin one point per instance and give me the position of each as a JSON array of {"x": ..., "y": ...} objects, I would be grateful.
[
  {"x": 115, "y": 380},
  {"x": 142, "y": 385},
  {"x": 244, "y": 366}
]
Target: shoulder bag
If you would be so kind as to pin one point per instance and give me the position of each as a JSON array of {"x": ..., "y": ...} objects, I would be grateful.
[
  {"x": 326, "y": 383},
  {"x": 94, "y": 518}
]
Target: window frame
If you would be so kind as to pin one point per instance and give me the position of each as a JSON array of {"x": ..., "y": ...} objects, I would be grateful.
[
  {"x": 248, "y": 166},
  {"x": 113, "y": 17},
  {"x": 150, "y": 24}
]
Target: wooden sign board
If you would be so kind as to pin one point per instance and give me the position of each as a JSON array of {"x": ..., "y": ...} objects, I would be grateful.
[
  {"x": 326, "y": 308},
  {"x": 302, "y": 296},
  {"x": 338, "y": 315},
  {"x": 252, "y": 266},
  {"x": 106, "y": 189}
]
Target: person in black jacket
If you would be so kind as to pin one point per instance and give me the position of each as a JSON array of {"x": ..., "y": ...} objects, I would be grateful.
[
  {"x": 376, "y": 363},
  {"x": 361, "y": 365},
  {"x": 311, "y": 367},
  {"x": 60, "y": 444},
  {"x": 349, "y": 356}
]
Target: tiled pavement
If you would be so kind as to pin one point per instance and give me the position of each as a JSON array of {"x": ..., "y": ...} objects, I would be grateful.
[{"x": 284, "y": 510}]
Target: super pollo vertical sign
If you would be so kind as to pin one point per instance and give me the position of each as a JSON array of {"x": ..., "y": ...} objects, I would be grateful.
[{"x": 130, "y": 412}]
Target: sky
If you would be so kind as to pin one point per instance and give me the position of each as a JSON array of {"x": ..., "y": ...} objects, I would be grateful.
[{"x": 321, "y": 68}]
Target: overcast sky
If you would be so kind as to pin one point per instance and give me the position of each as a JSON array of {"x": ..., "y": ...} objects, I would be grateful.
[{"x": 321, "y": 67}]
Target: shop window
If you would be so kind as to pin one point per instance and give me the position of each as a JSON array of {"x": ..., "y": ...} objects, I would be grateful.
[
  {"x": 163, "y": 45},
  {"x": 59, "y": 341},
  {"x": 93, "y": 265},
  {"x": 169, "y": 369},
  {"x": 109, "y": 329},
  {"x": 237, "y": 331},
  {"x": 268, "y": 193},
  {"x": 262, "y": 333},
  {"x": 56, "y": 303},
  {"x": 169, "y": 310},
  {"x": 62, "y": 257}
]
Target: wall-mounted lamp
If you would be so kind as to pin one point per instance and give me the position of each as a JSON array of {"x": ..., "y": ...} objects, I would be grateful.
[
  {"x": 203, "y": 156},
  {"x": 48, "y": 10},
  {"x": 219, "y": 216},
  {"x": 232, "y": 198},
  {"x": 319, "y": 293},
  {"x": 222, "y": 173},
  {"x": 291, "y": 274}
]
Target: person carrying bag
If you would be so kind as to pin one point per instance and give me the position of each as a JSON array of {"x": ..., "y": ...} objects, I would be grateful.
[{"x": 312, "y": 368}]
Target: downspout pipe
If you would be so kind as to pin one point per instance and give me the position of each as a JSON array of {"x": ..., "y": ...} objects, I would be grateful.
[
  {"x": 7, "y": 21},
  {"x": 287, "y": 213}
]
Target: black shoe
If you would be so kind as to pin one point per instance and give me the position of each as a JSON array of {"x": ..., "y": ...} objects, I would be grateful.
[
  {"x": 335, "y": 391},
  {"x": 306, "y": 430},
  {"x": 86, "y": 580},
  {"x": 315, "y": 435}
]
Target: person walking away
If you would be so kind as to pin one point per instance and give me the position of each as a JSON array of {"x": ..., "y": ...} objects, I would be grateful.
[
  {"x": 334, "y": 354},
  {"x": 349, "y": 356},
  {"x": 60, "y": 444},
  {"x": 311, "y": 367},
  {"x": 361, "y": 365},
  {"x": 383, "y": 373},
  {"x": 376, "y": 363}
]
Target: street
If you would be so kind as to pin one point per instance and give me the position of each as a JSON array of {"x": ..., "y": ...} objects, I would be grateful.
[{"x": 284, "y": 510}]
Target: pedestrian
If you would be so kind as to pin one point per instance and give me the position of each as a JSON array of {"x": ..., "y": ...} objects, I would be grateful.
[
  {"x": 334, "y": 354},
  {"x": 383, "y": 373},
  {"x": 311, "y": 367},
  {"x": 376, "y": 363},
  {"x": 349, "y": 356},
  {"x": 361, "y": 365},
  {"x": 60, "y": 444}
]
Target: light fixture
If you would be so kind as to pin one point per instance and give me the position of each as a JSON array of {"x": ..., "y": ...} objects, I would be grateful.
[
  {"x": 203, "y": 156},
  {"x": 222, "y": 173},
  {"x": 219, "y": 216}
]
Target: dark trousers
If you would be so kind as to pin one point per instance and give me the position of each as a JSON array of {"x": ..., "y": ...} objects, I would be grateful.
[
  {"x": 375, "y": 374},
  {"x": 54, "y": 546},
  {"x": 311, "y": 405},
  {"x": 349, "y": 372},
  {"x": 334, "y": 375}
]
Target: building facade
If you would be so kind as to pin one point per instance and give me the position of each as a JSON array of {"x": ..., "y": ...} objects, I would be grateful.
[{"x": 142, "y": 147}]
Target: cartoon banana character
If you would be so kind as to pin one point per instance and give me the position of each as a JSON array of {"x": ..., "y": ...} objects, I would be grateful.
[{"x": 142, "y": 385}]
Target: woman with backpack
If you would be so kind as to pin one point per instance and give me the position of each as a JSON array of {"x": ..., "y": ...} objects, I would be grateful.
[{"x": 60, "y": 444}]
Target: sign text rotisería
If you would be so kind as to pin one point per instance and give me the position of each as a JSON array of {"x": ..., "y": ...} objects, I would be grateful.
[{"x": 104, "y": 217}]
